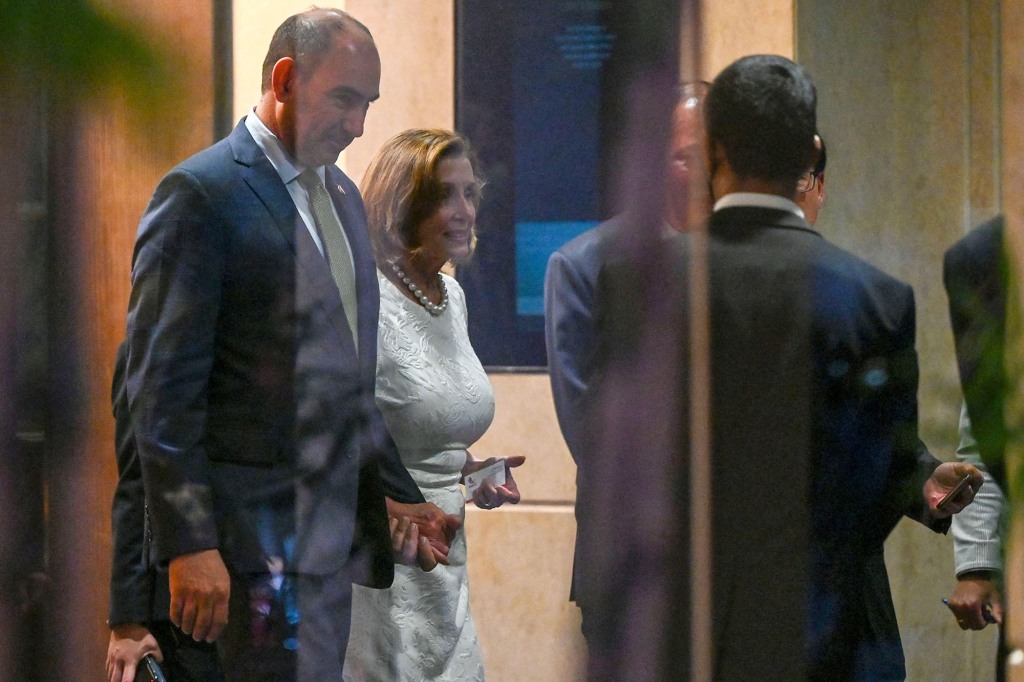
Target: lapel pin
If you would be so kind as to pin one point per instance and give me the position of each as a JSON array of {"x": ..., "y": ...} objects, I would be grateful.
[{"x": 341, "y": 189}]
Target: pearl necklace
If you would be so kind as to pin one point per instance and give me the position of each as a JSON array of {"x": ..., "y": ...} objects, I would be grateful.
[{"x": 434, "y": 309}]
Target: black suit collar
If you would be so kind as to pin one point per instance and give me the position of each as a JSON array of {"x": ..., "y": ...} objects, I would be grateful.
[{"x": 749, "y": 217}]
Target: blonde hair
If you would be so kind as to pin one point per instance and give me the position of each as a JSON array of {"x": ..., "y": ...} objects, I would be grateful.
[{"x": 401, "y": 189}]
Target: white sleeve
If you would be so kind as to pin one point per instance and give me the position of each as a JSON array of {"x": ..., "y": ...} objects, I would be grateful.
[{"x": 977, "y": 529}]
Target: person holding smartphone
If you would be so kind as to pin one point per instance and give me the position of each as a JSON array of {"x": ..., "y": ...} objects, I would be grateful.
[{"x": 139, "y": 606}]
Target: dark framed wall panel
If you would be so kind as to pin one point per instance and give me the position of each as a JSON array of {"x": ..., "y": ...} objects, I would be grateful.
[{"x": 541, "y": 91}]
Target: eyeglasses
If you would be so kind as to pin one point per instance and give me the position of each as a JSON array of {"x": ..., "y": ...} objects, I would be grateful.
[{"x": 806, "y": 182}]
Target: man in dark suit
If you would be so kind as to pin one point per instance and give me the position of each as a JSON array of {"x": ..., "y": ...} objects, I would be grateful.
[
  {"x": 883, "y": 632},
  {"x": 570, "y": 288},
  {"x": 813, "y": 418},
  {"x": 251, "y": 357},
  {"x": 139, "y": 611}
]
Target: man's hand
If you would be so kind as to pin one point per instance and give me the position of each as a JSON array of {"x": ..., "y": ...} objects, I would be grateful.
[
  {"x": 200, "y": 587},
  {"x": 410, "y": 548},
  {"x": 944, "y": 479},
  {"x": 128, "y": 644},
  {"x": 487, "y": 496},
  {"x": 432, "y": 525},
  {"x": 976, "y": 601}
]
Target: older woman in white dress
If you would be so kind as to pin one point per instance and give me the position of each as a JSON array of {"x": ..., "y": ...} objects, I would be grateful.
[{"x": 421, "y": 193}]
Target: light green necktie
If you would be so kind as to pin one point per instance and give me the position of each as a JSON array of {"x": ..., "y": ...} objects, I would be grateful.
[{"x": 339, "y": 258}]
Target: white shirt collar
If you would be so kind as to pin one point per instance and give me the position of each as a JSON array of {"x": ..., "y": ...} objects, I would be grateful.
[
  {"x": 759, "y": 200},
  {"x": 275, "y": 151}
]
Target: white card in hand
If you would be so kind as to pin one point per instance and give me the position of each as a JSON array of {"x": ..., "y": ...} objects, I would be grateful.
[{"x": 495, "y": 473}]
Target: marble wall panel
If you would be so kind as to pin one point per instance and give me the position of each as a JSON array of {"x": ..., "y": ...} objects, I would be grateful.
[{"x": 909, "y": 108}]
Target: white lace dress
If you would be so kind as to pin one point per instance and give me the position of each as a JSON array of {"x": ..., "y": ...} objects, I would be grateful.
[{"x": 437, "y": 401}]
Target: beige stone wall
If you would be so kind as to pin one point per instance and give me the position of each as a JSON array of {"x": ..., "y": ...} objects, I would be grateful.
[
  {"x": 520, "y": 558},
  {"x": 736, "y": 28},
  {"x": 415, "y": 41}
]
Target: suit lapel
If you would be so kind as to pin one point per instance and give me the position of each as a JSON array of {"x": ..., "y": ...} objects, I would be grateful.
[
  {"x": 314, "y": 283},
  {"x": 261, "y": 177}
]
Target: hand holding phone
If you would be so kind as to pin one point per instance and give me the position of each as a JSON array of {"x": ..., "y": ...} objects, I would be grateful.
[
  {"x": 149, "y": 670},
  {"x": 954, "y": 493}
]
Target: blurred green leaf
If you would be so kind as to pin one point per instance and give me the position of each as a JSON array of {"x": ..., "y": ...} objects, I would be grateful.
[{"x": 74, "y": 49}]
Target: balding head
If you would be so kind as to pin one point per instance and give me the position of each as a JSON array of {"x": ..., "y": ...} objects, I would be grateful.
[
  {"x": 308, "y": 36},
  {"x": 321, "y": 73},
  {"x": 687, "y": 196}
]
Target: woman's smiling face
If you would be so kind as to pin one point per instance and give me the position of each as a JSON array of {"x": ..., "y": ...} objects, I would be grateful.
[{"x": 447, "y": 234}]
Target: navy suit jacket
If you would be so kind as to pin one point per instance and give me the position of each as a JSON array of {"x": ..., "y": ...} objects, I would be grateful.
[
  {"x": 815, "y": 453},
  {"x": 253, "y": 414},
  {"x": 570, "y": 324},
  {"x": 570, "y": 333},
  {"x": 138, "y": 592}
]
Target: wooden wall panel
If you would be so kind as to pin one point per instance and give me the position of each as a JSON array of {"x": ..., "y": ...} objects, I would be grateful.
[{"x": 107, "y": 154}]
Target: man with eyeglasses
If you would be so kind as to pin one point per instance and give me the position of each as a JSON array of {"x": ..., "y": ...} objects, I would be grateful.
[{"x": 810, "y": 188}]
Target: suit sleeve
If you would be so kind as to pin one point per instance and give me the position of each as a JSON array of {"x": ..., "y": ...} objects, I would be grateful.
[
  {"x": 917, "y": 508},
  {"x": 177, "y": 277},
  {"x": 569, "y": 333},
  {"x": 912, "y": 464},
  {"x": 131, "y": 583}
]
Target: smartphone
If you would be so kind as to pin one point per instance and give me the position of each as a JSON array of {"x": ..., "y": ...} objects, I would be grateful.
[
  {"x": 149, "y": 670},
  {"x": 954, "y": 493}
]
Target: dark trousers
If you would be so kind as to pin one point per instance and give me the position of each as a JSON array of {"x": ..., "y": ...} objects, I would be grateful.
[
  {"x": 185, "y": 660},
  {"x": 286, "y": 628}
]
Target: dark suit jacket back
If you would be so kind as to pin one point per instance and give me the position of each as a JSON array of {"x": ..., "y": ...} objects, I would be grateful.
[{"x": 815, "y": 454}]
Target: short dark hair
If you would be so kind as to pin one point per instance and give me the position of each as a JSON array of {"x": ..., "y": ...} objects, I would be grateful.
[
  {"x": 306, "y": 37},
  {"x": 762, "y": 111}
]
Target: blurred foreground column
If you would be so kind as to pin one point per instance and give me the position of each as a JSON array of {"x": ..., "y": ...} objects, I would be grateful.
[
  {"x": 1013, "y": 205},
  {"x": 105, "y": 97}
]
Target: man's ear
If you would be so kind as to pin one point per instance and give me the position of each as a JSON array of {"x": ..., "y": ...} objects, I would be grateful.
[
  {"x": 282, "y": 78},
  {"x": 821, "y": 188}
]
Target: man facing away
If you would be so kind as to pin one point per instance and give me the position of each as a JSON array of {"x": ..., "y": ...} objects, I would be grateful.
[
  {"x": 887, "y": 657},
  {"x": 813, "y": 413},
  {"x": 251, "y": 356},
  {"x": 570, "y": 286}
]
